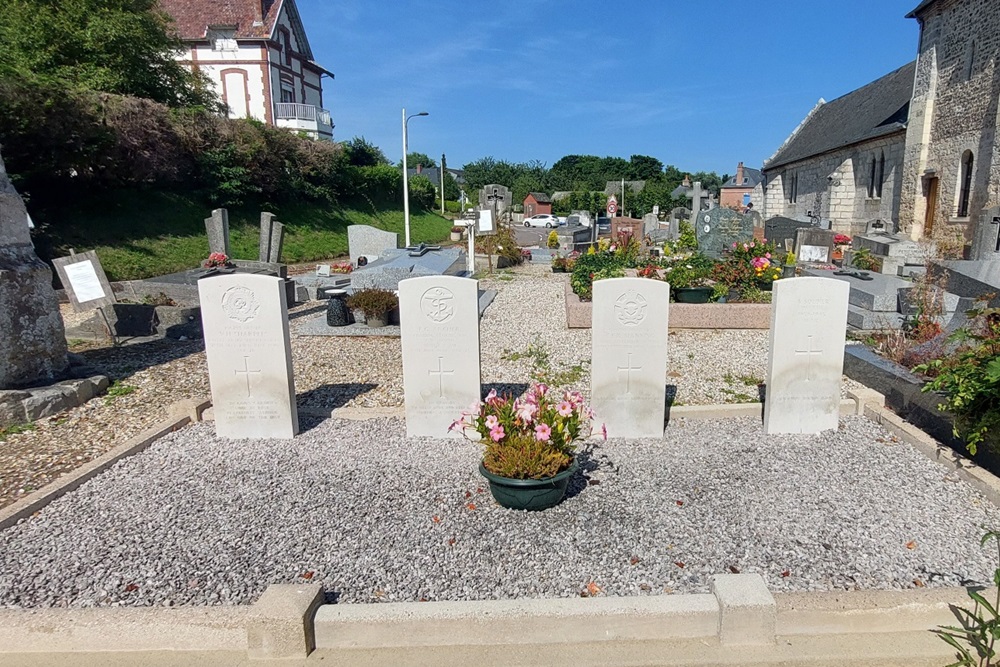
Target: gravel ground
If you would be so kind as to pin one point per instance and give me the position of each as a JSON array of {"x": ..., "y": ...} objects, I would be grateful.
[
  {"x": 705, "y": 367},
  {"x": 195, "y": 520}
]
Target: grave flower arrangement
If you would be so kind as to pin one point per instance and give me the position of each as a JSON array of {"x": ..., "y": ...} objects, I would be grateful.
[
  {"x": 749, "y": 264},
  {"x": 841, "y": 240},
  {"x": 341, "y": 267},
  {"x": 532, "y": 437},
  {"x": 217, "y": 260},
  {"x": 693, "y": 270}
]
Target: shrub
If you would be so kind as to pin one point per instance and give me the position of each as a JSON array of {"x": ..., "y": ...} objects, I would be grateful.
[
  {"x": 587, "y": 266},
  {"x": 969, "y": 378},
  {"x": 421, "y": 192},
  {"x": 373, "y": 302},
  {"x": 553, "y": 241},
  {"x": 751, "y": 264},
  {"x": 688, "y": 271},
  {"x": 863, "y": 259}
]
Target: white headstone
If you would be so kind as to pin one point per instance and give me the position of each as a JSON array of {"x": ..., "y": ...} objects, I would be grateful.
[
  {"x": 245, "y": 318},
  {"x": 806, "y": 359},
  {"x": 629, "y": 367},
  {"x": 439, "y": 326}
]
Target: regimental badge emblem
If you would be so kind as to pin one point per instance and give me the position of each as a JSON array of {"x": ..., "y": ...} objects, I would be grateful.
[
  {"x": 438, "y": 305},
  {"x": 240, "y": 304},
  {"x": 630, "y": 308}
]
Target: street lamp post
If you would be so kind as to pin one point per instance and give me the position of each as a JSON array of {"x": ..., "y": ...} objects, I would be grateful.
[{"x": 406, "y": 178}]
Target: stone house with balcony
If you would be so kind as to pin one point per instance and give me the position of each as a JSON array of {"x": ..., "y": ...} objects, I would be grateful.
[{"x": 257, "y": 55}]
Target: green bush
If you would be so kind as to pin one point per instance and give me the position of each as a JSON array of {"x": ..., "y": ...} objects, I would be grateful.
[
  {"x": 587, "y": 266},
  {"x": 421, "y": 192},
  {"x": 969, "y": 379},
  {"x": 452, "y": 206}
]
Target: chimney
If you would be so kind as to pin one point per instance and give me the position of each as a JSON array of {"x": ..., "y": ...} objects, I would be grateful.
[
  {"x": 687, "y": 181},
  {"x": 739, "y": 174},
  {"x": 420, "y": 168}
]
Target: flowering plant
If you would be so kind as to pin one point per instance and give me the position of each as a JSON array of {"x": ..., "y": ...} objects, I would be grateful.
[
  {"x": 217, "y": 259},
  {"x": 530, "y": 437},
  {"x": 751, "y": 263},
  {"x": 841, "y": 239},
  {"x": 691, "y": 270},
  {"x": 341, "y": 267}
]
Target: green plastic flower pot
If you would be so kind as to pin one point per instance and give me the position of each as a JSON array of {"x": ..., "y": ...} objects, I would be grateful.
[
  {"x": 529, "y": 494},
  {"x": 693, "y": 294}
]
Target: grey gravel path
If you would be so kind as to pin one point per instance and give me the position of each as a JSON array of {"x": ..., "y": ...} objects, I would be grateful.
[{"x": 195, "y": 520}]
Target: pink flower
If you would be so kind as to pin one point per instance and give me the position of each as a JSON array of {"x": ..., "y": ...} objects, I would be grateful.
[
  {"x": 734, "y": 244},
  {"x": 604, "y": 431},
  {"x": 526, "y": 412},
  {"x": 746, "y": 247},
  {"x": 497, "y": 433},
  {"x": 455, "y": 425},
  {"x": 760, "y": 263},
  {"x": 574, "y": 397},
  {"x": 541, "y": 389},
  {"x": 542, "y": 432},
  {"x": 768, "y": 255},
  {"x": 565, "y": 409},
  {"x": 491, "y": 421},
  {"x": 752, "y": 245}
]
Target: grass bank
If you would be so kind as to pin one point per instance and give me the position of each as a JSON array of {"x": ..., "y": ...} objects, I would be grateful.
[{"x": 138, "y": 234}]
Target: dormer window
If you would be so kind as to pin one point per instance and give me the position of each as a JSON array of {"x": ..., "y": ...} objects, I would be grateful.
[{"x": 222, "y": 38}]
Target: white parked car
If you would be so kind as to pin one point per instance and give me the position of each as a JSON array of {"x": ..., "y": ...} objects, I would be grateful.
[{"x": 542, "y": 220}]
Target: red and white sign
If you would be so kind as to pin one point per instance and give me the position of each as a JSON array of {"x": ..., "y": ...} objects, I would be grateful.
[{"x": 612, "y": 206}]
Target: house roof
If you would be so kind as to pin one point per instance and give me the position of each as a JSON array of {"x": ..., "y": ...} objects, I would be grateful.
[
  {"x": 751, "y": 177},
  {"x": 435, "y": 176},
  {"x": 540, "y": 197},
  {"x": 615, "y": 187},
  {"x": 921, "y": 7},
  {"x": 875, "y": 110},
  {"x": 252, "y": 19}
]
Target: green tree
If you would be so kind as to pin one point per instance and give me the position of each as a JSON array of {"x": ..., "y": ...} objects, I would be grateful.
[
  {"x": 643, "y": 168},
  {"x": 116, "y": 46},
  {"x": 421, "y": 192},
  {"x": 363, "y": 153},
  {"x": 413, "y": 159}
]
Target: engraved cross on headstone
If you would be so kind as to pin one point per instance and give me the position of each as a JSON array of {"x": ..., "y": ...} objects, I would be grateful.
[
  {"x": 495, "y": 197},
  {"x": 440, "y": 372},
  {"x": 810, "y": 353},
  {"x": 628, "y": 373},
  {"x": 247, "y": 372}
]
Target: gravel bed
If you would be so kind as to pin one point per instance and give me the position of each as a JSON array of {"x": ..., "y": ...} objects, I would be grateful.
[
  {"x": 195, "y": 520},
  {"x": 705, "y": 367}
]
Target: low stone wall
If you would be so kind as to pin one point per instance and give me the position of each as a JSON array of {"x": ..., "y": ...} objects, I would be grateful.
[{"x": 684, "y": 315}]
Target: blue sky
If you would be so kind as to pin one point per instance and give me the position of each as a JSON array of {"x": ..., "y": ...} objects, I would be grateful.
[{"x": 700, "y": 85}]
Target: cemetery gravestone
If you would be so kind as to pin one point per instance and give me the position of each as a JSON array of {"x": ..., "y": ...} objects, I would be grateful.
[
  {"x": 439, "y": 327},
  {"x": 369, "y": 242},
  {"x": 806, "y": 358},
  {"x": 719, "y": 228},
  {"x": 85, "y": 282},
  {"x": 272, "y": 238},
  {"x": 32, "y": 337},
  {"x": 217, "y": 227},
  {"x": 247, "y": 345},
  {"x": 650, "y": 223},
  {"x": 628, "y": 376},
  {"x": 496, "y": 198},
  {"x": 814, "y": 245}
]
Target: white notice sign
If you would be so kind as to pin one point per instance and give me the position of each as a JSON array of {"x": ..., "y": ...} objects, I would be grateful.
[{"x": 83, "y": 279}]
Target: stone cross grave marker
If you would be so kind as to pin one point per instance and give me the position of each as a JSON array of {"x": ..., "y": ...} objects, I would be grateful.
[
  {"x": 439, "y": 327},
  {"x": 32, "y": 337},
  {"x": 245, "y": 318},
  {"x": 717, "y": 229},
  {"x": 494, "y": 197},
  {"x": 85, "y": 282},
  {"x": 272, "y": 238},
  {"x": 806, "y": 358},
  {"x": 629, "y": 368}
]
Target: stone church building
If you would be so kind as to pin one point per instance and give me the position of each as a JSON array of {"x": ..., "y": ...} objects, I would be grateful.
[{"x": 917, "y": 148}]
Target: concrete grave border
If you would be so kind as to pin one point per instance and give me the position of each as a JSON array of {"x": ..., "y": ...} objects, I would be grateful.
[{"x": 739, "y": 622}]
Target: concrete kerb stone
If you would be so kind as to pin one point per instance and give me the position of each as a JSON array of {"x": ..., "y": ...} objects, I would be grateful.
[
  {"x": 981, "y": 479},
  {"x": 281, "y": 623},
  {"x": 747, "y": 610},
  {"x": 180, "y": 414}
]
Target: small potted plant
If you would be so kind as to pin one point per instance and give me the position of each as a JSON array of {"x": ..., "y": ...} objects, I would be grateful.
[
  {"x": 841, "y": 242},
  {"x": 788, "y": 268},
  {"x": 456, "y": 233},
  {"x": 558, "y": 264},
  {"x": 375, "y": 304},
  {"x": 689, "y": 279},
  {"x": 529, "y": 444}
]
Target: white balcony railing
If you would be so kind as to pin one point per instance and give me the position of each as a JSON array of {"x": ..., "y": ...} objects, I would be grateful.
[
  {"x": 307, "y": 112},
  {"x": 304, "y": 118}
]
